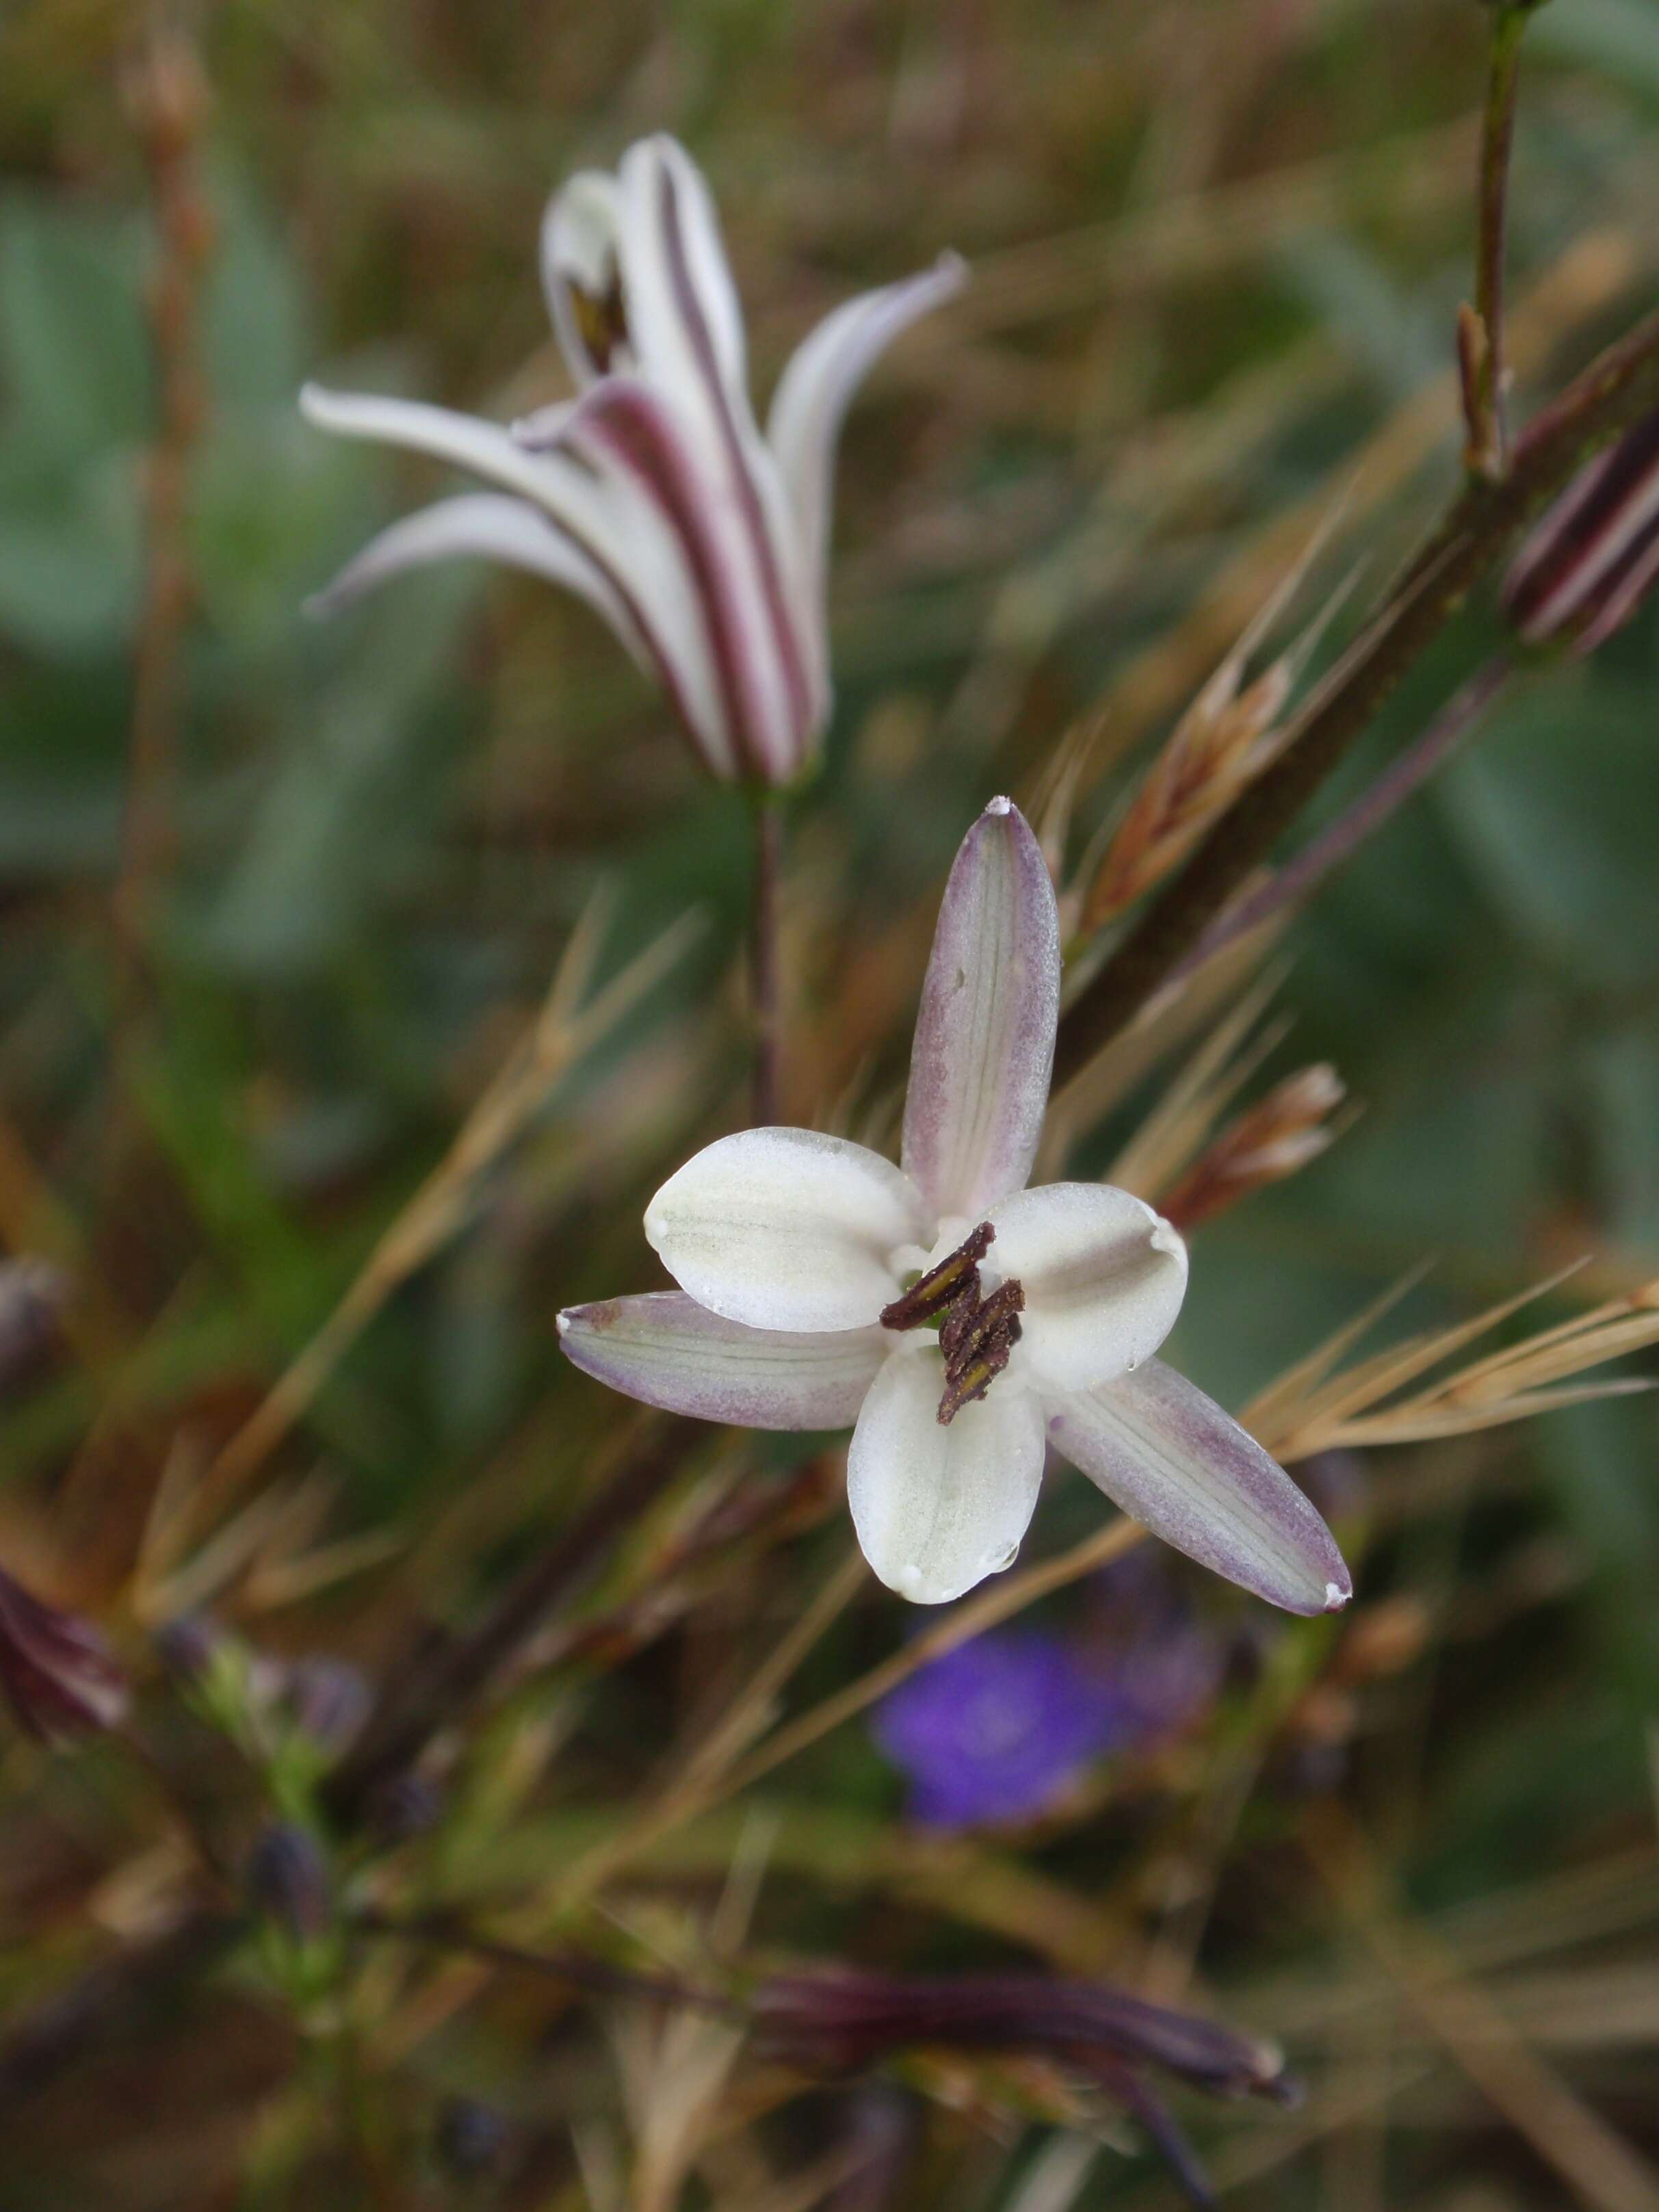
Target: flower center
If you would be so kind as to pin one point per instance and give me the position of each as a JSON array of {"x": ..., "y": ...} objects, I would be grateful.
[
  {"x": 601, "y": 317},
  {"x": 976, "y": 1333}
]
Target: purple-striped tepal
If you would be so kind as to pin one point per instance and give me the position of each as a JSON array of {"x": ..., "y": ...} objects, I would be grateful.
[{"x": 960, "y": 1322}]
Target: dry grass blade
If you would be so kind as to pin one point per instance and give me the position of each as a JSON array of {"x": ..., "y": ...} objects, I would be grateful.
[
  {"x": 1598, "y": 2166},
  {"x": 1305, "y": 1413},
  {"x": 1272, "y": 1139},
  {"x": 1186, "y": 1111},
  {"x": 1226, "y": 738},
  {"x": 563, "y": 1031}
]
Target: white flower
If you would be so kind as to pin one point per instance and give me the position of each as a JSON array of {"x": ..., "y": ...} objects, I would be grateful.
[
  {"x": 963, "y": 1322},
  {"x": 654, "y": 494}
]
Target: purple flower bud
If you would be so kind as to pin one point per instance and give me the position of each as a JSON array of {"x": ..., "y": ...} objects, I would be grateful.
[
  {"x": 1584, "y": 569},
  {"x": 835, "y": 2019},
  {"x": 288, "y": 1881},
  {"x": 59, "y": 1675},
  {"x": 187, "y": 1646},
  {"x": 33, "y": 1296},
  {"x": 995, "y": 1731},
  {"x": 404, "y": 1807},
  {"x": 329, "y": 1700},
  {"x": 471, "y": 2136}
]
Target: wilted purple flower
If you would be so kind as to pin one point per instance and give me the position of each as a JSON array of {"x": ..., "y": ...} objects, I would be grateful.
[
  {"x": 995, "y": 1731},
  {"x": 839, "y": 2018},
  {"x": 961, "y": 1320},
  {"x": 59, "y": 1675},
  {"x": 1584, "y": 570},
  {"x": 654, "y": 494}
]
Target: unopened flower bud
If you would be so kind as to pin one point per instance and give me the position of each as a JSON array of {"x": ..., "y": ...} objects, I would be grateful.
[
  {"x": 834, "y": 2019},
  {"x": 33, "y": 1296},
  {"x": 329, "y": 1700},
  {"x": 288, "y": 1881},
  {"x": 1586, "y": 568},
  {"x": 188, "y": 1647},
  {"x": 405, "y": 1807},
  {"x": 471, "y": 2135},
  {"x": 60, "y": 1677}
]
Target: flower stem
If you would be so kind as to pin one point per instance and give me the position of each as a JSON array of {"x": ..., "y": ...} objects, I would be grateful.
[
  {"x": 763, "y": 958},
  {"x": 1481, "y": 347},
  {"x": 1471, "y": 537},
  {"x": 1341, "y": 839}
]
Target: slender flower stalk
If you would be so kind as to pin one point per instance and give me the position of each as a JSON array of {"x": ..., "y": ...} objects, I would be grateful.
[
  {"x": 654, "y": 494},
  {"x": 1480, "y": 349},
  {"x": 1615, "y": 393},
  {"x": 959, "y": 1322}
]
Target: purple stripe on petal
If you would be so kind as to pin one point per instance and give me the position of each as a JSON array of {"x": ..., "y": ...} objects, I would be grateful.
[
  {"x": 1576, "y": 554},
  {"x": 741, "y": 464},
  {"x": 667, "y": 1350},
  {"x": 633, "y": 428},
  {"x": 985, "y": 1034},
  {"x": 1175, "y": 1462}
]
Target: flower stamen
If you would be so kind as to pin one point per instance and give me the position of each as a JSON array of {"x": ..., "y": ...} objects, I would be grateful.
[
  {"x": 976, "y": 1333},
  {"x": 941, "y": 1286}
]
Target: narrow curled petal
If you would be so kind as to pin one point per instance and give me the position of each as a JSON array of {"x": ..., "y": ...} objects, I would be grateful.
[
  {"x": 485, "y": 448},
  {"x": 1104, "y": 1279},
  {"x": 786, "y": 1229},
  {"x": 489, "y": 527},
  {"x": 811, "y": 402},
  {"x": 668, "y": 1351},
  {"x": 938, "y": 1509},
  {"x": 611, "y": 523},
  {"x": 1175, "y": 1462},
  {"x": 985, "y": 1034}
]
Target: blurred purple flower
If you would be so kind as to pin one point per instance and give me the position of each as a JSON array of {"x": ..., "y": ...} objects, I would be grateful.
[{"x": 996, "y": 1729}]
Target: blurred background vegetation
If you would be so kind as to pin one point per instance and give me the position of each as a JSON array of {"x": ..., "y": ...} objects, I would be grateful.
[{"x": 1219, "y": 247}]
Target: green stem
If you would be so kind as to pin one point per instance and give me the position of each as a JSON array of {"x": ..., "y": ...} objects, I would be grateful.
[
  {"x": 764, "y": 958},
  {"x": 1486, "y": 375},
  {"x": 1472, "y": 536}
]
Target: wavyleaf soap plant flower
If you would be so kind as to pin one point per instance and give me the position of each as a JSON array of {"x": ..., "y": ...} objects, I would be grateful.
[
  {"x": 652, "y": 495},
  {"x": 959, "y": 1322}
]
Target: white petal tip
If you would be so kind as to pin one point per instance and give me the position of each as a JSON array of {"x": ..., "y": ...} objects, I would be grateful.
[
  {"x": 951, "y": 264},
  {"x": 1336, "y": 1596},
  {"x": 319, "y": 605},
  {"x": 1000, "y": 805},
  {"x": 1166, "y": 1237},
  {"x": 315, "y": 402},
  {"x": 561, "y": 1322}
]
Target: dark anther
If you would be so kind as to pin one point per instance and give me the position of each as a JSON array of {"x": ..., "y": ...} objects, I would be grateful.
[
  {"x": 976, "y": 1343},
  {"x": 976, "y": 1333},
  {"x": 943, "y": 1285}
]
